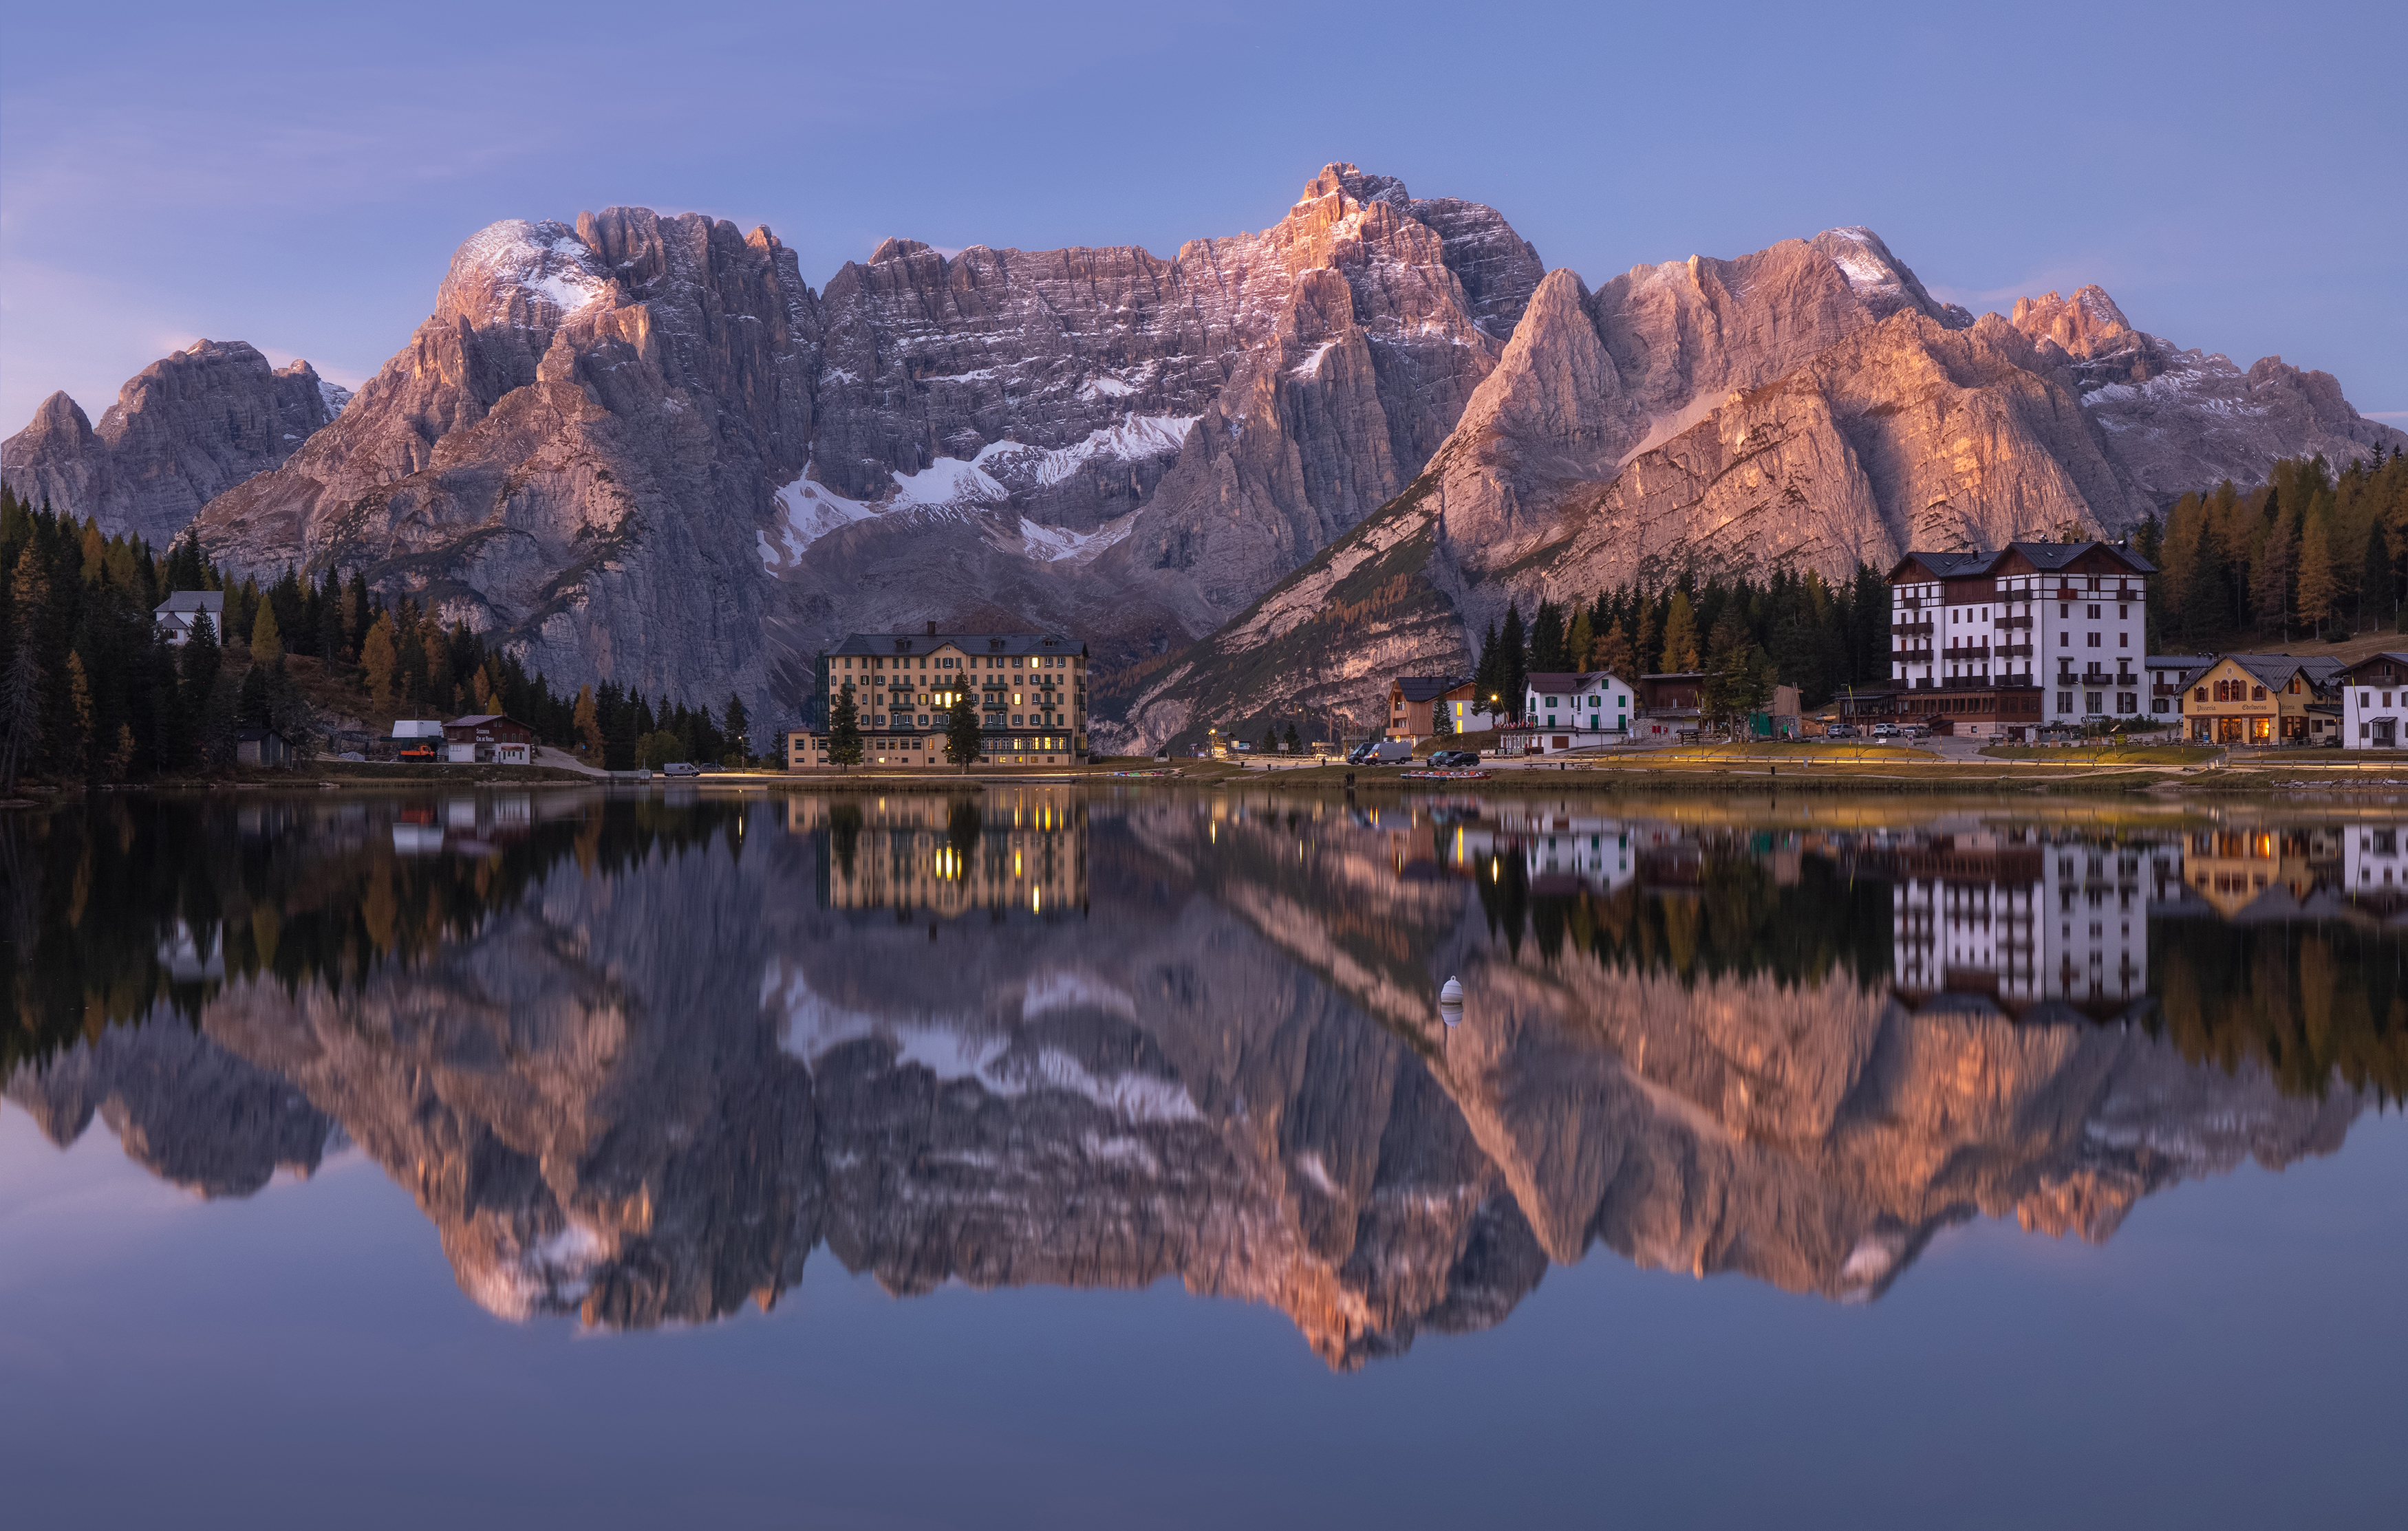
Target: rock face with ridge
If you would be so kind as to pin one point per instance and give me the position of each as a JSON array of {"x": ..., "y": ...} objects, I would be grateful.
[
  {"x": 575, "y": 452},
  {"x": 642, "y": 449},
  {"x": 1808, "y": 405},
  {"x": 2183, "y": 419},
  {"x": 183, "y": 430}
]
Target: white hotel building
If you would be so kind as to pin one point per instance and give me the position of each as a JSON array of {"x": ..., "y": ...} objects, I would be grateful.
[{"x": 1996, "y": 643}]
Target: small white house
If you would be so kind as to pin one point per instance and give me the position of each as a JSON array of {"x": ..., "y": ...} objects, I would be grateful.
[
  {"x": 1577, "y": 709},
  {"x": 2374, "y": 703},
  {"x": 176, "y": 614}
]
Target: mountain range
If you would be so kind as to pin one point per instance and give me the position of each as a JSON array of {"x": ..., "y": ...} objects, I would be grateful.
[{"x": 1262, "y": 475}]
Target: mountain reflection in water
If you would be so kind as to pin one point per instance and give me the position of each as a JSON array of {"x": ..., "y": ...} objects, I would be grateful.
[{"x": 637, "y": 1059}]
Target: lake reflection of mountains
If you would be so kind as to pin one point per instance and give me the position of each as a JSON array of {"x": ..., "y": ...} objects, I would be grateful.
[{"x": 637, "y": 1061}]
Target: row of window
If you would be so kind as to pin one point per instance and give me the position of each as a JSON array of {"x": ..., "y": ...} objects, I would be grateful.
[{"x": 948, "y": 661}]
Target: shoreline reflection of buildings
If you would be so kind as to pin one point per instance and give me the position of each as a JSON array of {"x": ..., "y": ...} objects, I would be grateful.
[
  {"x": 2028, "y": 920},
  {"x": 1013, "y": 852}
]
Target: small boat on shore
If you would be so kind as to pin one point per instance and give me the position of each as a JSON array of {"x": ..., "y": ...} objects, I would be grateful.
[{"x": 1442, "y": 776}]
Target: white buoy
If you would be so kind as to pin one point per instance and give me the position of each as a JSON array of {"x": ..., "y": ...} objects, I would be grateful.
[{"x": 1450, "y": 992}]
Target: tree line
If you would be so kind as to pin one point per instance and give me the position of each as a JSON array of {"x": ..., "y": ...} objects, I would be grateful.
[
  {"x": 2310, "y": 553},
  {"x": 92, "y": 690},
  {"x": 1744, "y": 636}
]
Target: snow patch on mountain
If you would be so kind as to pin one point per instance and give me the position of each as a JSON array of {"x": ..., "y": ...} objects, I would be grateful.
[
  {"x": 807, "y": 511},
  {"x": 971, "y": 1048},
  {"x": 950, "y": 483},
  {"x": 1866, "y": 271},
  {"x": 1056, "y": 545},
  {"x": 543, "y": 260},
  {"x": 335, "y": 396}
]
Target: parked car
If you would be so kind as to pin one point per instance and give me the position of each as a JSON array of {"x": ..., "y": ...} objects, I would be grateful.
[
  {"x": 1839, "y": 731},
  {"x": 1454, "y": 760},
  {"x": 681, "y": 768},
  {"x": 1885, "y": 731}
]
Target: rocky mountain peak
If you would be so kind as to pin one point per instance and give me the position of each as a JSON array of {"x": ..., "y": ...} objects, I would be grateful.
[
  {"x": 513, "y": 272},
  {"x": 1882, "y": 280},
  {"x": 2086, "y": 326},
  {"x": 184, "y": 429},
  {"x": 889, "y": 250}
]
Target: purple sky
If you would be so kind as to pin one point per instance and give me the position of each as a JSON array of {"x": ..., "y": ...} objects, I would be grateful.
[{"x": 297, "y": 176}]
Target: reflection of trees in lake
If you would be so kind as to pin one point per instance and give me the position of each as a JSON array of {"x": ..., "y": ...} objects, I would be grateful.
[
  {"x": 120, "y": 904},
  {"x": 2314, "y": 1002},
  {"x": 1719, "y": 912}
]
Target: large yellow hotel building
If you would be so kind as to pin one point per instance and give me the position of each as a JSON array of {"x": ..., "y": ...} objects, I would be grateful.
[
  {"x": 1012, "y": 853},
  {"x": 1030, "y": 688}
]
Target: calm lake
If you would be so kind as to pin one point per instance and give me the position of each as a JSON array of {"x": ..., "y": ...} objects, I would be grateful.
[{"x": 1083, "y": 1157}]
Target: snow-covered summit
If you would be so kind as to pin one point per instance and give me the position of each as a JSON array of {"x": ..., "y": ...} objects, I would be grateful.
[{"x": 516, "y": 263}]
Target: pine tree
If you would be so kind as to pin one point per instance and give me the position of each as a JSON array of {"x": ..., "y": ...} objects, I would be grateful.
[
  {"x": 380, "y": 661},
  {"x": 1547, "y": 639},
  {"x": 963, "y": 741},
  {"x": 1612, "y": 655},
  {"x": 739, "y": 727},
  {"x": 1487, "y": 676},
  {"x": 2320, "y": 588},
  {"x": 1648, "y": 644},
  {"x": 21, "y": 683},
  {"x": 2375, "y": 585},
  {"x": 267, "y": 640},
  {"x": 1679, "y": 636},
  {"x": 1579, "y": 647},
  {"x": 1512, "y": 664},
  {"x": 80, "y": 717},
  {"x": 844, "y": 728}
]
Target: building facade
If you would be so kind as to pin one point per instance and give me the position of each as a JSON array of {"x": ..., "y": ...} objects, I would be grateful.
[
  {"x": 2264, "y": 700},
  {"x": 1997, "y": 644},
  {"x": 1030, "y": 690},
  {"x": 1576, "y": 709},
  {"x": 2374, "y": 703},
  {"x": 1414, "y": 702},
  {"x": 488, "y": 738}
]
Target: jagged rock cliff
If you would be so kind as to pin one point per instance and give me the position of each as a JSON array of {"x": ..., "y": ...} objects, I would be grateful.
[
  {"x": 575, "y": 452},
  {"x": 183, "y": 430},
  {"x": 2186, "y": 419},
  {"x": 1809, "y": 405},
  {"x": 643, "y": 449}
]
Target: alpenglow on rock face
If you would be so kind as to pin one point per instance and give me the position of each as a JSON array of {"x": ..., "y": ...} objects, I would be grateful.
[
  {"x": 642, "y": 448},
  {"x": 1809, "y": 404},
  {"x": 183, "y": 430}
]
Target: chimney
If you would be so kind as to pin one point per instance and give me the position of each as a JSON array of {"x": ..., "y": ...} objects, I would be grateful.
[{"x": 932, "y": 629}]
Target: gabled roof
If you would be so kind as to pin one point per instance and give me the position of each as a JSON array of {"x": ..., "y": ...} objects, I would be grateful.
[
  {"x": 2051, "y": 556},
  {"x": 1945, "y": 565},
  {"x": 2047, "y": 557},
  {"x": 887, "y": 645},
  {"x": 2397, "y": 660},
  {"x": 2274, "y": 670},
  {"x": 1552, "y": 680},
  {"x": 2179, "y": 662},
  {"x": 211, "y": 601},
  {"x": 479, "y": 719},
  {"x": 1425, "y": 688}
]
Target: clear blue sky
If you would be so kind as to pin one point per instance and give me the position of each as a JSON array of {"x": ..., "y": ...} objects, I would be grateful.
[{"x": 297, "y": 176}]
